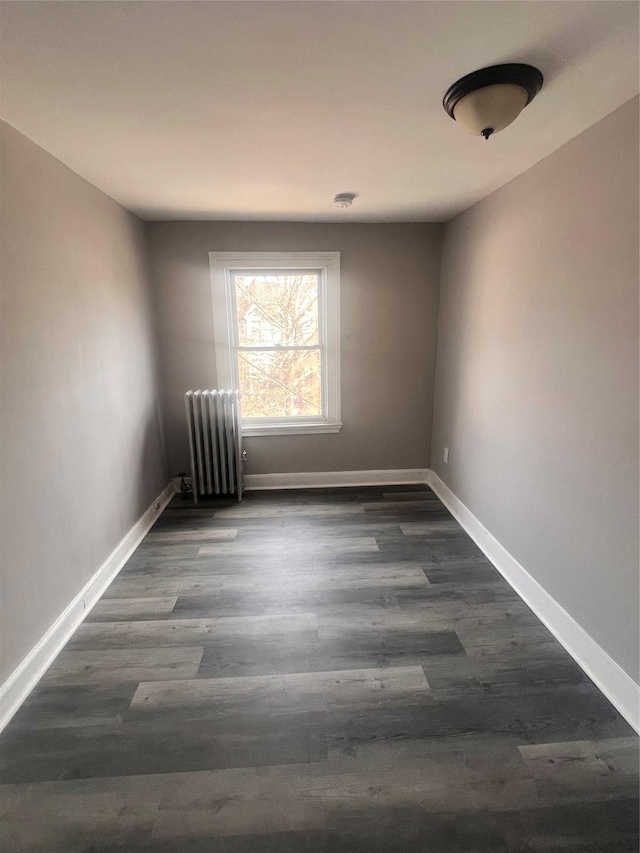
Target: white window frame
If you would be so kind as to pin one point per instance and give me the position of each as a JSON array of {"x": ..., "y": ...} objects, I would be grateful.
[{"x": 222, "y": 265}]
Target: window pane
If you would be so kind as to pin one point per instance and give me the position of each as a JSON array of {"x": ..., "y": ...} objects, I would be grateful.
[
  {"x": 277, "y": 309},
  {"x": 280, "y": 384}
]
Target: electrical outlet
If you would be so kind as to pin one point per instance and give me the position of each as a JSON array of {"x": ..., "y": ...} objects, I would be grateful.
[{"x": 445, "y": 455}]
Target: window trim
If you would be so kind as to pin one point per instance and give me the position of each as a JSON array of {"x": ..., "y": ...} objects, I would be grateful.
[{"x": 222, "y": 265}]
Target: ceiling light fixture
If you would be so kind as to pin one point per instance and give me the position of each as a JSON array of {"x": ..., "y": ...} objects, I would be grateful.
[
  {"x": 486, "y": 101},
  {"x": 343, "y": 199}
]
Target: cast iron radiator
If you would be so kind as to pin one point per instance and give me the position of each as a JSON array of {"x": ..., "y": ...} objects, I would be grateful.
[{"x": 215, "y": 442}]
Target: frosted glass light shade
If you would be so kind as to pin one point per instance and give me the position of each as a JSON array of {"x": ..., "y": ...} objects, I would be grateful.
[
  {"x": 488, "y": 100},
  {"x": 493, "y": 108}
]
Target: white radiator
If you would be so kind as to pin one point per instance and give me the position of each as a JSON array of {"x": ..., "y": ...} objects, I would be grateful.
[{"x": 215, "y": 442}]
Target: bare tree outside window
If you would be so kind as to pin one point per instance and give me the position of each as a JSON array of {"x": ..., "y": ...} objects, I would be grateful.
[{"x": 278, "y": 351}]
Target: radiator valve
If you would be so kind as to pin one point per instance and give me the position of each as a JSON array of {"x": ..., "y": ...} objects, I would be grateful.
[{"x": 185, "y": 488}]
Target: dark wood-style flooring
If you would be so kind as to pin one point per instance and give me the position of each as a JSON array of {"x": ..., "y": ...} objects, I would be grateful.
[{"x": 335, "y": 671}]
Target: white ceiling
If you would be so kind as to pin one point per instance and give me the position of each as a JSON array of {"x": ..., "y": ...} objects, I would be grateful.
[{"x": 265, "y": 110}]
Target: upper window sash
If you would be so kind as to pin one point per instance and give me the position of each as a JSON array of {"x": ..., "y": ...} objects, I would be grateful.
[{"x": 321, "y": 298}]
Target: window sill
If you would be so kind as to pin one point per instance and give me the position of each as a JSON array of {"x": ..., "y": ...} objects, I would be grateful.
[{"x": 248, "y": 431}]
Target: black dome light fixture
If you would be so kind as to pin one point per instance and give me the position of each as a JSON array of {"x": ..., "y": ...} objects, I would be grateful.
[{"x": 486, "y": 101}]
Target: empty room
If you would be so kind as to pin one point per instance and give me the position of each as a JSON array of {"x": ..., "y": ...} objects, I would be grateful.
[{"x": 319, "y": 426}]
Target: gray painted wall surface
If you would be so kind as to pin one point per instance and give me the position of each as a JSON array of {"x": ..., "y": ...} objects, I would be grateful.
[
  {"x": 537, "y": 375},
  {"x": 389, "y": 306},
  {"x": 81, "y": 450}
]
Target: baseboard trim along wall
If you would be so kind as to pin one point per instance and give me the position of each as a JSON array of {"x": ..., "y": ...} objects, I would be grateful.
[
  {"x": 23, "y": 679},
  {"x": 325, "y": 479},
  {"x": 617, "y": 686}
]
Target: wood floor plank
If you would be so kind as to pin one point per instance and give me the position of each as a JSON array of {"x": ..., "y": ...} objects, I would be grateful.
[
  {"x": 135, "y": 748},
  {"x": 409, "y": 504},
  {"x": 192, "y": 536},
  {"x": 319, "y": 570},
  {"x": 480, "y": 592},
  {"x": 187, "y": 632},
  {"x": 290, "y": 510},
  {"x": 567, "y": 713},
  {"x": 280, "y": 546},
  {"x": 591, "y": 827},
  {"x": 66, "y": 706},
  {"x": 163, "y": 551},
  {"x": 545, "y": 669},
  {"x": 487, "y": 633},
  {"x": 253, "y": 602},
  {"x": 271, "y": 656},
  {"x": 323, "y": 797},
  {"x": 404, "y": 494},
  {"x": 461, "y": 571},
  {"x": 432, "y": 528},
  {"x": 313, "y": 690},
  {"x": 576, "y": 770},
  {"x": 354, "y": 577},
  {"x": 118, "y": 609},
  {"x": 145, "y": 585},
  {"x": 123, "y": 665},
  {"x": 71, "y": 817}
]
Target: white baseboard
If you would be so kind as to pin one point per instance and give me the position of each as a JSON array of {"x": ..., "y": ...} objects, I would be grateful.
[
  {"x": 25, "y": 677},
  {"x": 617, "y": 686},
  {"x": 324, "y": 479}
]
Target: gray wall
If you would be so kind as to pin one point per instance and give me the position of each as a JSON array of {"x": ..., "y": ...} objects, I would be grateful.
[
  {"x": 389, "y": 305},
  {"x": 81, "y": 452},
  {"x": 537, "y": 375}
]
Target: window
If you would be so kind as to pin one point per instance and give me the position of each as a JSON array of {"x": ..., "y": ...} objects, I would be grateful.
[{"x": 277, "y": 329}]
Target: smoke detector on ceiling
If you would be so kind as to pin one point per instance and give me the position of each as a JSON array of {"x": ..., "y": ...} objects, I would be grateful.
[{"x": 343, "y": 199}]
